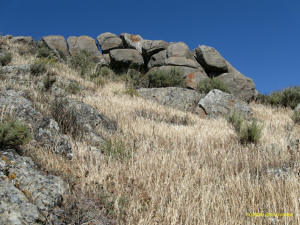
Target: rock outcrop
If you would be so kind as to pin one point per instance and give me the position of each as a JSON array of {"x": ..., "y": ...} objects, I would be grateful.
[
  {"x": 218, "y": 103},
  {"x": 297, "y": 109},
  {"x": 121, "y": 59},
  {"x": 109, "y": 41},
  {"x": 57, "y": 43},
  {"x": 45, "y": 131},
  {"x": 134, "y": 41}
]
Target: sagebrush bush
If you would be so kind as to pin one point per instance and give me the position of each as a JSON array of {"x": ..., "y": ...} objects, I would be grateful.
[
  {"x": 288, "y": 97},
  {"x": 38, "y": 67},
  {"x": 116, "y": 149},
  {"x": 207, "y": 85},
  {"x": 247, "y": 129},
  {"x": 5, "y": 59},
  {"x": 296, "y": 117},
  {"x": 13, "y": 134},
  {"x": 44, "y": 52},
  {"x": 48, "y": 81},
  {"x": 170, "y": 78},
  {"x": 73, "y": 87},
  {"x": 82, "y": 62}
]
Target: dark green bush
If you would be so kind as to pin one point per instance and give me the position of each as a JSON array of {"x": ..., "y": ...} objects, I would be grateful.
[
  {"x": 49, "y": 81},
  {"x": 38, "y": 68},
  {"x": 296, "y": 117},
  {"x": 170, "y": 78},
  {"x": 83, "y": 63},
  {"x": 135, "y": 79},
  {"x": 247, "y": 130},
  {"x": 5, "y": 59},
  {"x": 207, "y": 85},
  {"x": 44, "y": 52},
  {"x": 288, "y": 97},
  {"x": 73, "y": 87},
  {"x": 116, "y": 149},
  {"x": 13, "y": 134}
]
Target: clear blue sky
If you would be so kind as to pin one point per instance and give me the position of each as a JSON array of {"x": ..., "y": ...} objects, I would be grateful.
[{"x": 261, "y": 38}]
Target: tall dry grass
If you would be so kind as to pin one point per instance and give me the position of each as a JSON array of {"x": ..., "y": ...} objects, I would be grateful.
[{"x": 196, "y": 173}]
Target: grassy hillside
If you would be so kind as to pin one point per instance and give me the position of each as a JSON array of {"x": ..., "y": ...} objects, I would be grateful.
[{"x": 157, "y": 169}]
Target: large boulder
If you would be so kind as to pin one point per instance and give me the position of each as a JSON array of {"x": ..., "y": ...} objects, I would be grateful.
[
  {"x": 27, "y": 194},
  {"x": 27, "y": 40},
  {"x": 109, "y": 41},
  {"x": 191, "y": 76},
  {"x": 176, "y": 97},
  {"x": 152, "y": 47},
  {"x": 238, "y": 84},
  {"x": 57, "y": 43},
  {"x": 182, "y": 61},
  {"x": 46, "y": 132},
  {"x": 121, "y": 59},
  {"x": 157, "y": 59},
  {"x": 179, "y": 49},
  {"x": 83, "y": 120},
  {"x": 218, "y": 103},
  {"x": 77, "y": 44},
  {"x": 211, "y": 60},
  {"x": 134, "y": 41}
]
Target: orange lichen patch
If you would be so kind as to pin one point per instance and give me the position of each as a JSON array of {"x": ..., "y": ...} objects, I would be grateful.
[
  {"x": 191, "y": 76},
  {"x": 4, "y": 158},
  {"x": 12, "y": 176},
  {"x": 232, "y": 102},
  {"x": 134, "y": 38}
]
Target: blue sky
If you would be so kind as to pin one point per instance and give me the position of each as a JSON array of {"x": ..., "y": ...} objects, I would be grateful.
[{"x": 261, "y": 38}]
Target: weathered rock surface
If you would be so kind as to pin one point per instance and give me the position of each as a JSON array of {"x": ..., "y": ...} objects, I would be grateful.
[
  {"x": 176, "y": 97},
  {"x": 211, "y": 60},
  {"x": 182, "y": 61},
  {"x": 45, "y": 130},
  {"x": 297, "y": 109},
  {"x": 84, "y": 118},
  {"x": 57, "y": 43},
  {"x": 134, "y": 41},
  {"x": 157, "y": 59},
  {"x": 219, "y": 103},
  {"x": 27, "y": 40},
  {"x": 26, "y": 194},
  {"x": 193, "y": 79},
  {"x": 77, "y": 44},
  {"x": 109, "y": 41},
  {"x": 123, "y": 58},
  {"x": 152, "y": 47},
  {"x": 238, "y": 84},
  {"x": 179, "y": 49}
]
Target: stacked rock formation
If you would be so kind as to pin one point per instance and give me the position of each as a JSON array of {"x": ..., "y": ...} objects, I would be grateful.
[{"x": 128, "y": 50}]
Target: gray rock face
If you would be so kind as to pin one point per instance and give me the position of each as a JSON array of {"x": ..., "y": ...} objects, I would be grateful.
[
  {"x": 238, "y": 84},
  {"x": 84, "y": 118},
  {"x": 77, "y": 44},
  {"x": 134, "y": 41},
  {"x": 297, "y": 109},
  {"x": 179, "y": 49},
  {"x": 212, "y": 61},
  {"x": 193, "y": 79},
  {"x": 109, "y": 41},
  {"x": 219, "y": 103},
  {"x": 176, "y": 97},
  {"x": 28, "y": 40},
  {"x": 45, "y": 130},
  {"x": 157, "y": 59},
  {"x": 152, "y": 47},
  {"x": 123, "y": 58},
  {"x": 25, "y": 192},
  {"x": 57, "y": 43},
  {"x": 182, "y": 61}
]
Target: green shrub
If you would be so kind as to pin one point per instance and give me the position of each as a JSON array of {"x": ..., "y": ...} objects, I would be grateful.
[
  {"x": 288, "y": 97},
  {"x": 116, "y": 149},
  {"x": 49, "y": 81},
  {"x": 207, "y": 85},
  {"x": 248, "y": 131},
  {"x": 296, "y": 117},
  {"x": 5, "y": 59},
  {"x": 38, "y": 68},
  {"x": 44, "y": 52},
  {"x": 13, "y": 134},
  {"x": 73, "y": 87},
  {"x": 82, "y": 62},
  {"x": 135, "y": 79},
  {"x": 170, "y": 78},
  {"x": 132, "y": 92}
]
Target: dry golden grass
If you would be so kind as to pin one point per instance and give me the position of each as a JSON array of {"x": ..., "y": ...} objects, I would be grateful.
[{"x": 182, "y": 174}]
